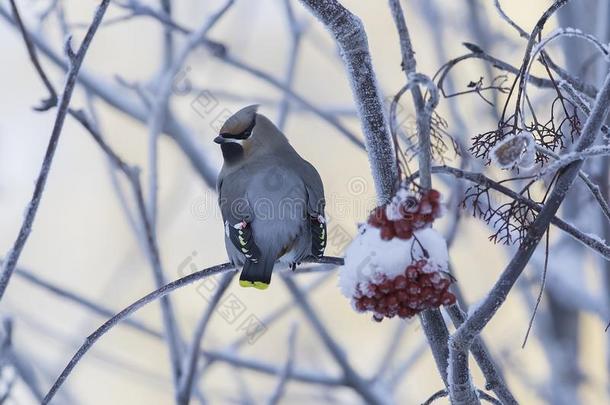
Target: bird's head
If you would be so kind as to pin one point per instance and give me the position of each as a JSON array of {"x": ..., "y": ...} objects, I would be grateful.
[
  {"x": 237, "y": 134},
  {"x": 246, "y": 134}
]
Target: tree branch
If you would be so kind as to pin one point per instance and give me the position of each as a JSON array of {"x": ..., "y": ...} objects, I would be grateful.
[
  {"x": 349, "y": 34},
  {"x": 464, "y": 336},
  {"x": 75, "y": 63}
]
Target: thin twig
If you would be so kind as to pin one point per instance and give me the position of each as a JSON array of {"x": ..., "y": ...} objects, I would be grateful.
[
  {"x": 541, "y": 291},
  {"x": 51, "y": 101},
  {"x": 81, "y": 301},
  {"x": 431, "y": 320},
  {"x": 190, "y": 361},
  {"x": 115, "y": 320},
  {"x": 295, "y": 42},
  {"x": 76, "y": 60},
  {"x": 352, "y": 377},
  {"x": 280, "y": 388},
  {"x": 119, "y": 317},
  {"x": 478, "y": 319},
  {"x": 586, "y": 239},
  {"x": 159, "y": 111},
  {"x": 350, "y": 36}
]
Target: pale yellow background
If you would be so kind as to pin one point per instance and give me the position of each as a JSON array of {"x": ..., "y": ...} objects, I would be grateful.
[{"x": 82, "y": 241}]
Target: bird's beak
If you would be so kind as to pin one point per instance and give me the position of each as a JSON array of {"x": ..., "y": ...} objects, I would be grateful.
[{"x": 220, "y": 140}]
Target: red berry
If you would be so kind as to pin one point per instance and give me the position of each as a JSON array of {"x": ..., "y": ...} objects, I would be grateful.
[
  {"x": 413, "y": 289},
  {"x": 378, "y": 217},
  {"x": 392, "y": 300},
  {"x": 368, "y": 303},
  {"x": 424, "y": 280},
  {"x": 403, "y": 229},
  {"x": 400, "y": 282},
  {"x": 387, "y": 286},
  {"x": 412, "y": 272},
  {"x": 442, "y": 284},
  {"x": 387, "y": 232},
  {"x": 360, "y": 306},
  {"x": 434, "y": 195},
  {"x": 404, "y": 312},
  {"x": 425, "y": 207},
  {"x": 427, "y": 293},
  {"x": 421, "y": 263},
  {"x": 402, "y": 296},
  {"x": 447, "y": 298}
]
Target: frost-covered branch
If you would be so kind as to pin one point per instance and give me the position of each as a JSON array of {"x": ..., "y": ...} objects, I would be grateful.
[
  {"x": 592, "y": 242},
  {"x": 280, "y": 388},
  {"x": 127, "y": 311},
  {"x": 159, "y": 110},
  {"x": 432, "y": 320},
  {"x": 462, "y": 339},
  {"x": 112, "y": 322},
  {"x": 568, "y": 158},
  {"x": 75, "y": 62},
  {"x": 353, "y": 379},
  {"x": 52, "y": 100},
  {"x": 348, "y": 31},
  {"x": 192, "y": 356}
]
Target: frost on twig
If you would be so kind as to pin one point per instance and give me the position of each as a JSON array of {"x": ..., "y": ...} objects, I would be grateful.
[
  {"x": 12, "y": 258},
  {"x": 474, "y": 324},
  {"x": 349, "y": 33}
]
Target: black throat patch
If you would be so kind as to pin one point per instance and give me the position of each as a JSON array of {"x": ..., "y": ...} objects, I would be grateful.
[{"x": 232, "y": 151}]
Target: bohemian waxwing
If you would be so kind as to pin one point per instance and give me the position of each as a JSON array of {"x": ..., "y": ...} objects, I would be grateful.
[{"x": 271, "y": 199}]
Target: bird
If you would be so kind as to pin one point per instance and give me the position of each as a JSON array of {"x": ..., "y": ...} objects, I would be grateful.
[{"x": 271, "y": 199}]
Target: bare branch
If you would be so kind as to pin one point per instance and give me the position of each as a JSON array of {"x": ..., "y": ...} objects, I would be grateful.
[
  {"x": 283, "y": 376},
  {"x": 26, "y": 227},
  {"x": 190, "y": 361},
  {"x": 349, "y": 34},
  {"x": 464, "y": 336},
  {"x": 353, "y": 379},
  {"x": 51, "y": 101}
]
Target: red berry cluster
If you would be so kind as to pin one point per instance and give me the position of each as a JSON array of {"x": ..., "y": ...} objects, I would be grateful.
[
  {"x": 405, "y": 295},
  {"x": 415, "y": 213}
]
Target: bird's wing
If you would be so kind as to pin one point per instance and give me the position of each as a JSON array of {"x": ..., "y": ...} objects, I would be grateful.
[
  {"x": 315, "y": 207},
  {"x": 237, "y": 215},
  {"x": 315, "y": 189}
]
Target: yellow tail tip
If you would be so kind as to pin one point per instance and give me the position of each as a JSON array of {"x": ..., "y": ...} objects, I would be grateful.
[
  {"x": 260, "y": 285},
  {"x": 246, "y": 283}
]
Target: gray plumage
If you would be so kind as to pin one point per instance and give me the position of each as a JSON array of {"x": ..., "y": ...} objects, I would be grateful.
[{"x": 271, "y": 199}]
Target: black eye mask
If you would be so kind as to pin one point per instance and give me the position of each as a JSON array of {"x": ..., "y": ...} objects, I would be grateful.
[{"x": 245, "y": 134}]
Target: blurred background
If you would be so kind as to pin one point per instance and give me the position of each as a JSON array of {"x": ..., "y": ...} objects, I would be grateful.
[{"x": 82, "y": 240}]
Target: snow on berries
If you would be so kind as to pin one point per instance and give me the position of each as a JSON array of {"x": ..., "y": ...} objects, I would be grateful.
[
  {"x": 397, "y": 265},
  {"x": 406, "y": 213}
]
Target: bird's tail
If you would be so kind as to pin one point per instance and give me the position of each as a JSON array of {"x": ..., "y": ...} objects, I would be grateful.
[{"x": 257, "y": 275}]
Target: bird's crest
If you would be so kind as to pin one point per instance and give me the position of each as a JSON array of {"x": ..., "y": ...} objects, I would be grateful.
[{"x": 239, "y": 122}]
